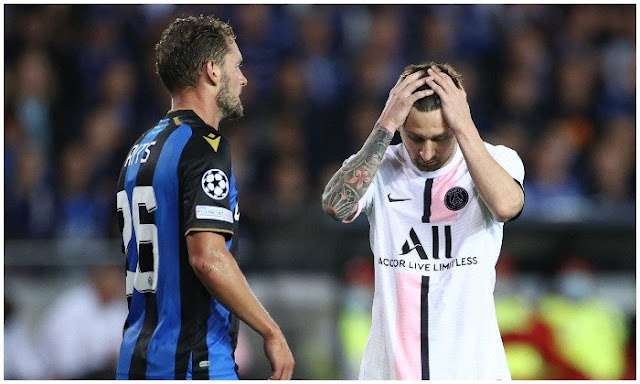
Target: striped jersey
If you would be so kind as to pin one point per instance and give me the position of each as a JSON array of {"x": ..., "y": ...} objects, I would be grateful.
[
  {"x": 435, "y": 247},
  {"x": 177, "y": 178}
]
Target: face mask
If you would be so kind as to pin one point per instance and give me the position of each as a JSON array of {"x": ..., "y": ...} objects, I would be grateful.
[{"x": 575, "y": 285}]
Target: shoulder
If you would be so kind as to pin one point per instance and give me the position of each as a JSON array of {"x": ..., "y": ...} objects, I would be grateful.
[
  {"x": 501, "y": 151},
  {"x": 393, "y": 158},
  {"x": 393, "y": 154},
  {"x": 205, "y": 142}
]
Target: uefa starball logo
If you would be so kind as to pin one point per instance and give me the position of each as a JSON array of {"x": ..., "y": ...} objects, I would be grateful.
[{"x": 215, "y": 184}]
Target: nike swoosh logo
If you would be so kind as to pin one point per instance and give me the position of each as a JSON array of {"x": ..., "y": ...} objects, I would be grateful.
[
  {"x": 392, "y": 200},
  {"x": 411, "y": 249}
]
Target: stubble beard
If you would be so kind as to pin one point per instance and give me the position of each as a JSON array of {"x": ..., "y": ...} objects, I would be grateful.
[
  {"x": 230, "y": 107},
  {"x": 427, "y": 168}
]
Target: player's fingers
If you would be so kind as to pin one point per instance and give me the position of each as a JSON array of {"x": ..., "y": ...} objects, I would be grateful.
[
  {"x": 410, "y": 79},
  {"x": 431, "y": 82},
  {"x": 410, "y": 89},
  {"x": 276, "y": 374},
  {"x": 287, "y": 372},
  {"x": 284, "y": 370},
  {"x": 420, "y": 94},
  {"x": 438, "y": 79},
  {"x": 443, "y": 79},
  {"x": 289, "y": 369}
]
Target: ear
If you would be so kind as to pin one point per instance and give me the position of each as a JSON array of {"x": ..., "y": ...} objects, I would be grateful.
[{"x": 212, "y": 72}]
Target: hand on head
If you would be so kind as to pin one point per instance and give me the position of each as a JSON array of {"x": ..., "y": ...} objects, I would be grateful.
[{"x": 401, "y": 99}]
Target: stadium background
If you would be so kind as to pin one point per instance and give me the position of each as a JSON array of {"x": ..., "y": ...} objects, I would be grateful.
[{"x": 556, "y": 83}]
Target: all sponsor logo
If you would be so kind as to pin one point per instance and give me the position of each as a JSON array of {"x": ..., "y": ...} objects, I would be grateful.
[{"x": 414, "y": 243}]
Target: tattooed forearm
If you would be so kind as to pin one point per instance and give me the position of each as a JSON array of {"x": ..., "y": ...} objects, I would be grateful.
[{"x": 348, "y": 185}]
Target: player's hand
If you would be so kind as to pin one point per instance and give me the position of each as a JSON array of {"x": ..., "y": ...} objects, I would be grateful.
[
  {"x": 401, "y": 99},
  {"x": 455, "y": 108},
  {"x": 279, "y": 354}
]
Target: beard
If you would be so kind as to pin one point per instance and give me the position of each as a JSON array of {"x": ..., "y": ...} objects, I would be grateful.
[
  {"x": 230, "y": 107},
  {"x": 427, "y": 167}
]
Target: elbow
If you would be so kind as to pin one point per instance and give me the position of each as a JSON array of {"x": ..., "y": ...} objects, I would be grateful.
[
  {"x": 330, "y": 210},
  {"x": 203, "y": 262},
  {"x": 199, "y": 262},
  {"x": 339, "y": 208},
  {"x": 509, "y": 208}
]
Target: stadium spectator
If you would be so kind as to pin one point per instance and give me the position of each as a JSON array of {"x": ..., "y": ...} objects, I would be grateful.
[
  {"x": 354, "y": 317},
  {"x": 29, "y": 193},
  {"x": 22, "y": 360},
  {"x": 553, "y": 190},
  {"x": 528, "y": 339},
  {"x": 588, "y": 333},
  {"x": 612, "y": 160},
  {"x": 558, "y": 49},
  {"x": 80, "y": 333},
  {"x": 83, "y": 213}
]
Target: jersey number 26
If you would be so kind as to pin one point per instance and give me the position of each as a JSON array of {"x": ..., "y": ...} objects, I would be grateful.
[{"x": 140, "y": 223}]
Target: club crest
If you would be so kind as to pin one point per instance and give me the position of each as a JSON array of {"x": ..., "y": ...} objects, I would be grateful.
[{"x": 456, "y": 198}]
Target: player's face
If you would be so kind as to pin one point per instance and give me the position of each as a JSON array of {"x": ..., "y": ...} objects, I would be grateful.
[
  {"x": 428, "y": 140},
  {"x": 231, "y": 83}
]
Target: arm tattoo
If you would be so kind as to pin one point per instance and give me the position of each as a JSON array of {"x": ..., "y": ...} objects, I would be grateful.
[{"x": 348, "y": 185}]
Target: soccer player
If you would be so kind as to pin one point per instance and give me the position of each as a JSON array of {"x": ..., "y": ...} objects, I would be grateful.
[
  {"x": 178, "y": 208},
  {"x": 436, "y": 204}
]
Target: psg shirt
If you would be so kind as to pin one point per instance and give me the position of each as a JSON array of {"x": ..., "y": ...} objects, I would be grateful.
[
  {"x": 435, "y": 247},
  {"x": 176, "y": 179}
]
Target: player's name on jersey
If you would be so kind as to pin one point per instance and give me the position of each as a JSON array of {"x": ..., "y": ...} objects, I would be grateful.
[
  {"x": 139, "y": 153},
  {"x": 425, "y": 266}
]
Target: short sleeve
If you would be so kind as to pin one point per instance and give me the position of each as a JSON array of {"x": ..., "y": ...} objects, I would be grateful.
[
  {"x": 510, "y": 161},
  {"x": 206, "y": 186}
]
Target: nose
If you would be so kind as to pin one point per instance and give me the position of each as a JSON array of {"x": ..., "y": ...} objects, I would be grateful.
[
  {"x": 243, "y": 80},
  {"x": 427, "y": 151}
]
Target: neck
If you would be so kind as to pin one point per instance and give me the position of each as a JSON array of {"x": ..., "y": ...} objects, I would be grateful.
[{"x": 195, "y": 99}]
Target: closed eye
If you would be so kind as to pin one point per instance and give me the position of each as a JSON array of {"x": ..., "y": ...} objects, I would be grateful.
[{"x": 441, "y": 138}]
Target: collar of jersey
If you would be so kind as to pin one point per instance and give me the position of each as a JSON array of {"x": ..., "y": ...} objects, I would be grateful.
[
  {"x": 457, "y": 156},
  {"x": 189, "y": 116}
]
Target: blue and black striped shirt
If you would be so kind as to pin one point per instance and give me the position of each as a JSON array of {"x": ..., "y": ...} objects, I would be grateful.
[{"x": 177, "y": 178}]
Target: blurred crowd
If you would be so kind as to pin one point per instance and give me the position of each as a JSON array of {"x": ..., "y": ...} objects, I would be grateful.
[{"x": 554, "y": 82}]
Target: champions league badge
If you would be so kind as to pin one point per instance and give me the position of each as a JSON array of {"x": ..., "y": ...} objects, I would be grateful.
[
  {"x": 215, "y": 184},
  {"x": 456, "y": 198}
]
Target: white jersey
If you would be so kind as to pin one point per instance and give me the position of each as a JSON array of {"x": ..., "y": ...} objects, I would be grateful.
[{"x": 435, "y": 245}]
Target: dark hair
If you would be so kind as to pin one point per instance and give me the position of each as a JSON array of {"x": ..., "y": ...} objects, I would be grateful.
[
  {"x": 432, "y": 102},
  {"x": 186, "y": 45}
]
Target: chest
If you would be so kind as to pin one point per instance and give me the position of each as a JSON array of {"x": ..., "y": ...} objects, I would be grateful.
[{"x": 447, "y": 198}]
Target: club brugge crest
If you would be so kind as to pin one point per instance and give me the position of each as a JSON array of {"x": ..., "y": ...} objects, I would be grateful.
[{"x": 456, "y": 198}]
